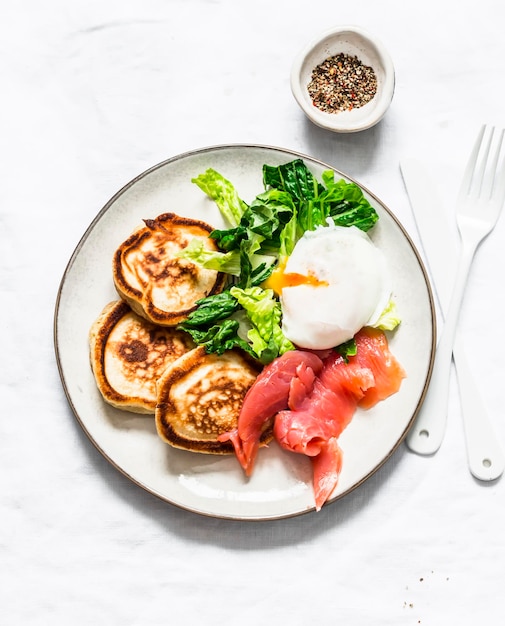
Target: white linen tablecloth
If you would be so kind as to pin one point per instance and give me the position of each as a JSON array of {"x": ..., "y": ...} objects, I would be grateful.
[{"x": 95, "y": 92}]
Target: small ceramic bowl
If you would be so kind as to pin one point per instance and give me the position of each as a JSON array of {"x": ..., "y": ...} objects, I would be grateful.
[{"x": 350, "y": 41}]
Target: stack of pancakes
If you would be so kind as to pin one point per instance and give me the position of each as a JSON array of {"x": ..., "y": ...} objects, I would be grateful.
[{"x": 143, "y": 363}]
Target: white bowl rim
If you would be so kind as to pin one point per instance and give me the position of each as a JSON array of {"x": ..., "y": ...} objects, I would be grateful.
[{"x": 358, "y": 119}]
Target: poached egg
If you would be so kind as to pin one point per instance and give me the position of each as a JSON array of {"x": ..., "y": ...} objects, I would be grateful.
[{"x": 335, "y": 282}]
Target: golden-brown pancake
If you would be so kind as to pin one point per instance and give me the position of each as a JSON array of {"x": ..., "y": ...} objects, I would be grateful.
[
  {"x": 128, "y": 354},
  {"x": 156, "y": 283},
  {"x": 200, "y": 396}
]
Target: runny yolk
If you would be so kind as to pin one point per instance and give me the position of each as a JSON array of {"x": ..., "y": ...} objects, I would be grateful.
[{"x": 279, "y": 279}]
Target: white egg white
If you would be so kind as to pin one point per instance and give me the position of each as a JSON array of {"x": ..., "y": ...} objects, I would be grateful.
[{"x": 357, "y": 291}]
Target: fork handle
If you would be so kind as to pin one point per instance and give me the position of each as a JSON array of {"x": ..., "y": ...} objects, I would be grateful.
[
  {"x": 427, "y": 433},
  {"x": 486, "y": 457}
]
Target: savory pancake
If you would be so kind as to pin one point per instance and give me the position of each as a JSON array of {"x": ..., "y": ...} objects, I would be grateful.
[
  {"x": 128, "y": 354},
  {"x": 155, "y": 282},
  {"x": 199, "y": 398}
]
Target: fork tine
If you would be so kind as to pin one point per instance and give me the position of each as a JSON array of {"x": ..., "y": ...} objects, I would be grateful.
[
  {"x": 493, "y": 178},
  {"x": 468, "y": 175},
  {"x": 484, "y": 176},
  {"x": 499, "y": 177}
]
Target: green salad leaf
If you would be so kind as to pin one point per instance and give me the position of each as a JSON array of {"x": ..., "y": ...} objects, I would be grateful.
[
  {"x": 227, "y": 262},
  {"x": 347, "y": 349},
  {"x": 246, "y": 318},
  {"x": 260, "y": 235},
  {"x": 220, "y": 337},
  {"x": 295, "y": 178},
  {"x": 210, "y": 310},
  {"x": 389, "y": 318},
  {"x": 223, "y": 193},
  {"x": 264, "y": 313}
]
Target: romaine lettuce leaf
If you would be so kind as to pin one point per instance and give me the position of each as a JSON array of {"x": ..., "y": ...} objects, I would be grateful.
[
  {"x": 264, "y": 312},
  {"x": 389, "y": 319},
  {"x": 228, "y": 262},
  {"x": 223, "y": 193}
]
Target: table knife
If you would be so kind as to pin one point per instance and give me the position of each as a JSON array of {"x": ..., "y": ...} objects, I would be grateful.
[{"x": 486, "y": 458}]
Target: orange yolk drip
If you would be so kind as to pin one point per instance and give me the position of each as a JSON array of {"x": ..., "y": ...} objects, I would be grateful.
[{"x": 279, "y": 279}]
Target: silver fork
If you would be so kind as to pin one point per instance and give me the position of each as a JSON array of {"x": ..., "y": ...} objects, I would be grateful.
[{"x": 479, "y": 203}]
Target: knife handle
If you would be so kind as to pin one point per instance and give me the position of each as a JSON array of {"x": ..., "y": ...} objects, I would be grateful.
[{"x": 427, "y": 433}]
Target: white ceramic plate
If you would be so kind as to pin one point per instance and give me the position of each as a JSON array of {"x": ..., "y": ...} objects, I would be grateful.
[{"x": 215, "y": 486}]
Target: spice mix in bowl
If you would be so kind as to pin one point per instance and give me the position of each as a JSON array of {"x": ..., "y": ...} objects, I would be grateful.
[{"x": 344, "y": 80}]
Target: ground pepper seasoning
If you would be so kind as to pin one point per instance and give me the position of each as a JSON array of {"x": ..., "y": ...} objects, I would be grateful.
[{"x": 342, "y": 83}]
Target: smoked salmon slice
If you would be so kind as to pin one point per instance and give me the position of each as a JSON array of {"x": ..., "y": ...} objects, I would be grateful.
[
  {"x": 373, "y": 352},
  {"x": 314, "y": 427},
  {"x": 283, "y": 383},
  {"x": 312, "y": 399}
]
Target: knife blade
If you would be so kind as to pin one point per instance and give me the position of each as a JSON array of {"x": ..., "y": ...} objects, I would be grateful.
[{"x": 486, "y": 458}]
